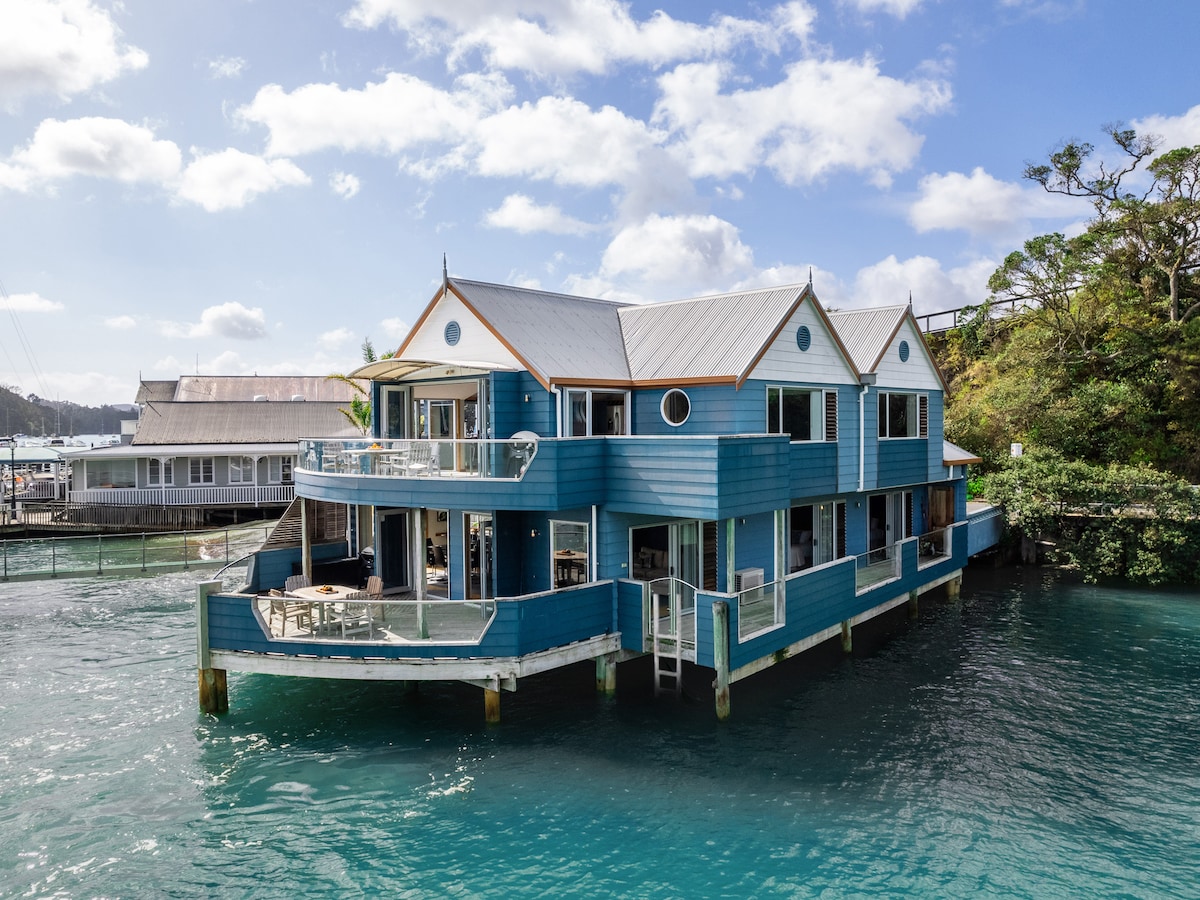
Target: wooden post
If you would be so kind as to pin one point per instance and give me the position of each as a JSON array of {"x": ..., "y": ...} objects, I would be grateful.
[
  {"x": 306, "y": 529},
  {"x": 491, "y": 706},
  {"x": 847, "y": 636},
  {"x": 913, "y": 604},
  {"x": 606, "y": 674},
  {"x": 953, "y": 587},
  {"x": 213, "y": 691},
  {"x": 721, "y": 657},
  {"x": 730, "y": 554}
]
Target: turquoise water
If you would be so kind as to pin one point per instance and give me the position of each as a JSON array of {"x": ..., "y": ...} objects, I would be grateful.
[{"x": 1033, "y": 739}]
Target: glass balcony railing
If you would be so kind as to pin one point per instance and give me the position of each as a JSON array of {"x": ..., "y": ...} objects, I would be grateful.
[{"x": 505, "y": 460}]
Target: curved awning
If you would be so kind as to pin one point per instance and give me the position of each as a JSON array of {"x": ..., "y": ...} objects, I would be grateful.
[{"x": 396, "y": 369}]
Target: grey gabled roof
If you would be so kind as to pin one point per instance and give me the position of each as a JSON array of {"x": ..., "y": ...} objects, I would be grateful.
[
  {"x": 155, "y": 390},
  {"x": 238, "y": 422},
  {"x": 717, "y": 337},
  {"x": 207, "y": 388},
  {"x": 866, "y": 333},
  {"x": 559, "y": 337}
]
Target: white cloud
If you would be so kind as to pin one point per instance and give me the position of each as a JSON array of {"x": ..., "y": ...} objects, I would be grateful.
[
  {"x": 228, "y": 320},
  {"x": 897, "y": 8},
  {"x": 983, "y": 205},
  {"x": 391, "y": 116},
  {"x": 120, "y": 323},
  {"x": 344, "y": 185},
  {"x": 395, "y": 329},
  {"x": 332, "y": 340},
  {"x": 890, "y": 281},
  {"x": 1175, "y": 131},
  {"x": 519, "y": 213},
  {"x": 61, "y": 47},
  {"x": 552, "y": 38},
  {"x": 684, "y": 254},
  {"x": 95, "y": 146},
  {"x": 230, "y": 179},
  {"x": 226, "y": 67},
  {"x": 32, "y": 302},
  {"x": 826, "y": 115}
]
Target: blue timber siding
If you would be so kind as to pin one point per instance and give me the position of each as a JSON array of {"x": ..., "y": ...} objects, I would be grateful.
[
  {"x": 754, "y": 543},
  {"x": 818, "y": 599},
  {"x": 935, "y": 470},
  {"x": 510, "y": 412},
  {"x": 814, "y": 469},
  {"x": 984, "y": 529},
  {"x": 847, "y": 443},
  {"x": 715, "y": 409},
  {"x": 521, "y": 626},
  {"x": 903, "y": 461},
  {"x": 630, "y": 621}
]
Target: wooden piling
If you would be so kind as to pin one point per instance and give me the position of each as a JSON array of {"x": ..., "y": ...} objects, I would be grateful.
[
  {"x": 211, "y": 683},
  {"x": 847, "y": 637},
  {"x": 913, "y": 604},
  {"x": 606, "y": 674},
  {"x": 491, "y": 706},
  {"x": 954, "y": 587},
  {"x": 721, "y": 658}
]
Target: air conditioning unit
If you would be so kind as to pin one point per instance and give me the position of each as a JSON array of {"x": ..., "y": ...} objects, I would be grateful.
[{"x": 748, "y": 579}]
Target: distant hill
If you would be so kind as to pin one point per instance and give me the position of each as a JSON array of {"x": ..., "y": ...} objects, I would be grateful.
[{"x": 38, "y": 417}]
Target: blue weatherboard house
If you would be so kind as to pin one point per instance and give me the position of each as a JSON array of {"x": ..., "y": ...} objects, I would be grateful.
[{"x": 724, "y": 481}]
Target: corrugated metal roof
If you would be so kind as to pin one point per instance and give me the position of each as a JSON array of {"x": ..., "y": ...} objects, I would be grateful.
[
  {"x": 865, "y": 332},
  {"x": 128, "y": 451},
  {"x": 708, "y": 337},
  {"x": 155, "y": 390},
  {"x": 954, "y": 455},
  {"x": 559, "y": 336},
  {"x": 193, "y": 388},
  {"x": 225, "y": 422}
]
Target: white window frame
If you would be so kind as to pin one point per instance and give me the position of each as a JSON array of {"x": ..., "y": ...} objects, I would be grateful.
[
  {"x": 160, "y": 472},
  {"x": 201, "y": 470},
  {"x": 279, "y": 469},
  {"x": 664, "y": 405},
  {"x": 557, "y": 527},
  {"x": 916, "y": 416},
  {"x": 566, "y": 426},
  {"x": 242, "y": 470},
  {"x": 820, "y": 400}
]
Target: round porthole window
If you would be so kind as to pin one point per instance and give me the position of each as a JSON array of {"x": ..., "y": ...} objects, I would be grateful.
[
  {"x": 676, "y": 407},
  {"x": 904, "y": 351},
  {"x": 803, "y": 338},
  {"x": 452, "y": 333}
]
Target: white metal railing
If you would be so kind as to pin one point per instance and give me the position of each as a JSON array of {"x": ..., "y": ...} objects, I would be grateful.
[
  {"x": 199, "y": 495},
  {"x": 933, "y": 546},
  {"x": 383, "y": 620},
  {"x": 760, "y": 608},
  {"x": 495, "y": 459},
  {"x": 876, "y": 566},
  {"x": 672, "y": 611}
]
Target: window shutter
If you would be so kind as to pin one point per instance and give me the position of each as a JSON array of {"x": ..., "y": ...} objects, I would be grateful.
[
  {"x": 922, "y": 416},
  {"x": 831, "y": 420}
]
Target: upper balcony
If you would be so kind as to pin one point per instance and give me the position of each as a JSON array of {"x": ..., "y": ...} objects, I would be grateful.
[{"x": 712, "y": 476}]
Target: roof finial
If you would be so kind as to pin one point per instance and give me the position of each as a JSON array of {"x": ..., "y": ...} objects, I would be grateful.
[
  {"x": 810, "y": 276},
  {"x": 910, "y": 299},
  {"x": 445, "y": 275}
]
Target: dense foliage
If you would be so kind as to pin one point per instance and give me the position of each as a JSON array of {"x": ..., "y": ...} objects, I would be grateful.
[
  {"x": 1089, "y": 346},
  {"x": 38, "y": 417}
]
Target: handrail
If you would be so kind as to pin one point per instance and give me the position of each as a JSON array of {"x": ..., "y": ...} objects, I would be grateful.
[{"x": 502, "y": 460}]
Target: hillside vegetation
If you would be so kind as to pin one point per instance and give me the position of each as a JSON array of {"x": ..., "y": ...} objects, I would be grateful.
[{"x": 1097, "y": 373}]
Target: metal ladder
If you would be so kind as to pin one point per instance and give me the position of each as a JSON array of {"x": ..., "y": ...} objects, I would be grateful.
[{"x": 668, "y": 648}]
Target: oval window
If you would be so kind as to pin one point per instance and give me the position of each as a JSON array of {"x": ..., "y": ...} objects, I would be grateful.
[
  {"x": 904, "y": 351},
  {"x": 676, "y": 407}
]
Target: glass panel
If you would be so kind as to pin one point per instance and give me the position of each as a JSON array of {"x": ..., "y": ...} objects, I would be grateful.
[
  {"x": 577, "y": 424},
  {"x": 393, "y": 425},
  {"x": 479, "y": 556},
  {"x": 773, "y": 426},
  {"x": 115, "y": 473},
  {"x": 824, "y": 550},
  {"x": 569, "y": 553},
  {"x": 608, "y": 413},
  {"x": 797, "y": 414},
  {"x": 688, "y": 568}
]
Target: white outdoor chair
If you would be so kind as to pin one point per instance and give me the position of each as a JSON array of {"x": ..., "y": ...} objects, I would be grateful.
[
  {"x": 423, "y": 459},
  {"x": 356, "y": 615}
]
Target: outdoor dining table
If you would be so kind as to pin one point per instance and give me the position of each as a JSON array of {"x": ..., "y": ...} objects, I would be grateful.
[
  {"x": 324, "y": 595},
  {"x": 566, "y": 563}
]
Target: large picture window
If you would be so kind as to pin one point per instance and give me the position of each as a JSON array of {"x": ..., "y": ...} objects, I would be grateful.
[
  {"x": 112, "y": 473},
  {"x": 596, "y": 412},
  {"x": 802, "y": 413},
  {"x": 903, "y": 415}
]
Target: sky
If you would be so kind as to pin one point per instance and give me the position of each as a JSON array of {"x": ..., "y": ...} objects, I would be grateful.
[{"x": 256, "y": 186}]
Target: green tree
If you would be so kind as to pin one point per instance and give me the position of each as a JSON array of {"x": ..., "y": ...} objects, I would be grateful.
[{"x": 358, "y": 413}]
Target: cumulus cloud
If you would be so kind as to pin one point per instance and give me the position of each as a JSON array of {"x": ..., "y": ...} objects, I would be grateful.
[
  {"x": 61, "y": 47},
  {"x": 344, "y": 184},
  {"x": 394, "y": 329},
  {"x": 31, "y": 302},
  {"x": 94, "y": 146},
  {"x": 825, "y": 115},
  {"x": 983, "y": 205},
  {"x": 120, "y": 323},
  {"x": 332, "y": 340},
  {"x": 897, "y": 8},
  {"x": 686, "y": 253},
  {"x": 519, "y": 213},
  {"x": 1175, "y": 131},
  {"x": 552, "y": 38},
  {"x": 226, "y": 66},
  {"x": 230, "y": 179},
  {"x": 228, "y": 320},
  {"x": 890, "y": 281}
]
